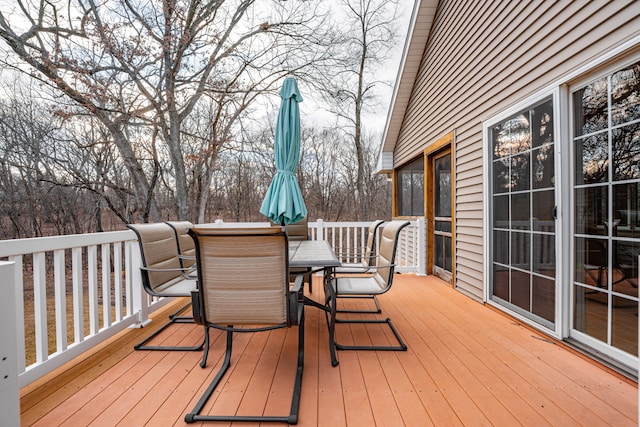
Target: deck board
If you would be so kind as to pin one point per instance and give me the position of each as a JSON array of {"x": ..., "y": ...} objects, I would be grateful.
[{"x": 466, "y": 365}]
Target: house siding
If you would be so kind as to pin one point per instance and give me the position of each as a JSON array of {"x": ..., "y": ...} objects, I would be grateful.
[{"x": 482, "y": 57}]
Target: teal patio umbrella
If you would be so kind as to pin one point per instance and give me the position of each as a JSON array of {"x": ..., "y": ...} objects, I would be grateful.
[{"x": 283, "y": 203}]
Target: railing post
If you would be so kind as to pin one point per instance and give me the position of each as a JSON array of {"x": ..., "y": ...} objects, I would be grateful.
[
  {"x": 18, "y": 287},
  {"x": 422, "y": 246},
  {"x": 319, "y": 229},
  {"x": 9, "y": 389},
  {"x": 138, "y": 295}
]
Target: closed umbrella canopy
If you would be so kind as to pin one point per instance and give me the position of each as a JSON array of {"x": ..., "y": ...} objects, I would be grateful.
[{"x": 283, "y": 203}]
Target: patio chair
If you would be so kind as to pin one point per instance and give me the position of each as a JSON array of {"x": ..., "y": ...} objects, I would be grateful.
[
  {"x": 163, "y": 275},
  {"x": 367, "y": 260},
  {"x": 244, "y": 287},
  {"x": 375, "y": 284}
]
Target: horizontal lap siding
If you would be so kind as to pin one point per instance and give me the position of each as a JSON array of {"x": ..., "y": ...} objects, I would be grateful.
[{"x": 483, "y": 57}]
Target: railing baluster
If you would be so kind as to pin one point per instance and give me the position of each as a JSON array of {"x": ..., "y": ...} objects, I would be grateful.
[
  {"x": 349, "y": 242},
  {"x": 92, "y": 254},
  {"x": 105, "y": 250},
  {"x": 128, "y": 276},
  {"x": 59, "y": 271},
  {"x": 117, "y": 279},
  {"x": 78, "y": 301},
  {"x": 364, "y": 231},
  {"x": 40, "y": 306}
]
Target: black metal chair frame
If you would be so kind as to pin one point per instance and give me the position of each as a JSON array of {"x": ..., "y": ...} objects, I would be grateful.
[
  {"x": 331, "y": 295},
  {"x": 295, "y": 311},
  {"x": 174, "y": 318}
]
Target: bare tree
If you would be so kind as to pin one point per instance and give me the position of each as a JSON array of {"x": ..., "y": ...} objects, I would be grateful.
[
  {"x": 37, "y": 196},
  {"x": 23, "y": 144},
  {"x": 134, "y": 64},
  {"x": 351, "y": 90}
]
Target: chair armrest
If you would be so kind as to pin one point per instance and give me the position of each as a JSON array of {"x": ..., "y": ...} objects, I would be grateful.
[
  {"x": 351, "y": 253},
  {"x": 187, "y": 273},
  {"x": 369, "y": 270},
  {"x": 363, "y": 271},
  {"x": 160, "y": 270},
  {"x": 190, "y": 273},
  {"x": 376, "y": 267},
  {"x": 299, "y": 281}
]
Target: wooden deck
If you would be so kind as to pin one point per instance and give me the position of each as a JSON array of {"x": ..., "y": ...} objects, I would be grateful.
[{"x": 467, "y": 364}]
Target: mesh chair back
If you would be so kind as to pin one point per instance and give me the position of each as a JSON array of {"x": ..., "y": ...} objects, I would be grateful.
[
  {"x": 370, "y": 255},
  {"x": 186, "y": 246},
  {"x": 159, "y": 251},
  {"x": 244, "y": 277},
  {"x": 387, "y": 253}
]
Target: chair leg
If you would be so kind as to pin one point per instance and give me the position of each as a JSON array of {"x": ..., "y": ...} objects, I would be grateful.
[
  {"x": 205, "y": 355},
  {"x": 292, "y": 418},
  {"x": 330, "y": 316},
  {"x": 194, "y": 416},
  {"x": 332, "y": 325},
  {"x": 400, "y": 347},
  {"x": 180, "y": 310},
  {"x": 297, "y": 385},
  {"x": 378, "y": 310},
  {"x": 174, "y": 318}
]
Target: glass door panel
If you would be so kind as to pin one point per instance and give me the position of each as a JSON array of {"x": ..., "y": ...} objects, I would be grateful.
[
  {"x": 523, "y": 229},
  {"x": 606, "y": 213}
]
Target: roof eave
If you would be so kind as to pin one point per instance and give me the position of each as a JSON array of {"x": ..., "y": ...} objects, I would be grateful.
[{"x": 423, "y": 14}]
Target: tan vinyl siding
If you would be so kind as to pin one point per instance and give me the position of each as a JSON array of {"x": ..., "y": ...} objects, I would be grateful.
[{"x": 483, "y": 57}]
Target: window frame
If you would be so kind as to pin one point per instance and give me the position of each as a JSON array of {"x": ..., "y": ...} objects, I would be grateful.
[{"x": 396, "y": 189}]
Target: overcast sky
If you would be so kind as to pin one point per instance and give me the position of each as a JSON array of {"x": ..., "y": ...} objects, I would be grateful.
[{"x": 373, "y": 122}]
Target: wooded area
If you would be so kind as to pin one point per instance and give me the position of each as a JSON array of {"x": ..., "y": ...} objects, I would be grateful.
[{"x": 131, "y": 111}]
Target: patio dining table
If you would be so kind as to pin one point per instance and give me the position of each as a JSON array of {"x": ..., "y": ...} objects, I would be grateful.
[{"x": 314, "y": 254}]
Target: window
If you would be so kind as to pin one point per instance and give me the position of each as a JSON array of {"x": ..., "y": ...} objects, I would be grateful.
[{"x": 410, "y": 189}]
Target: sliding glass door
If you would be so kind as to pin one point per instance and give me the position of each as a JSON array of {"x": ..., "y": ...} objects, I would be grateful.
[
  {"x": 523, "y": 220},
  {"x": 606, "y": 212}
]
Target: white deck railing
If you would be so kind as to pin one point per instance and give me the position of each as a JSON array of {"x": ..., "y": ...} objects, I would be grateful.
[{"x": 82, "y": 289}]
